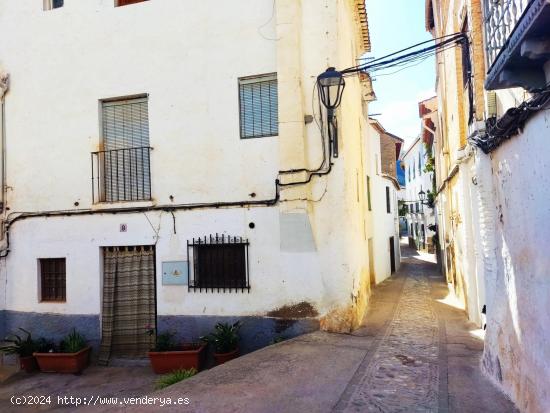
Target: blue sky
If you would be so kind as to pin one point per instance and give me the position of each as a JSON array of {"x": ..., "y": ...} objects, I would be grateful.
[{"x": 395, "y": 25}]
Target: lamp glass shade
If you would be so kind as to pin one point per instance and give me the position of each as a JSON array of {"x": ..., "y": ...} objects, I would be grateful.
[
  {"x": 422, "y": 195},
  {"x": 331, "y": 85}
]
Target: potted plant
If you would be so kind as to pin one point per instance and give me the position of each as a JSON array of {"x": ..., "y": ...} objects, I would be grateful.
[
  {"x": 225, "y": 340},
  {"x": 24, "y": 347},
  {"x": 168, "y": 355},
  {"x": 71, "y": 356}
]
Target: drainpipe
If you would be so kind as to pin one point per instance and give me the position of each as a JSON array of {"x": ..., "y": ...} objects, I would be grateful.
[{"x": 4, "y": 86}]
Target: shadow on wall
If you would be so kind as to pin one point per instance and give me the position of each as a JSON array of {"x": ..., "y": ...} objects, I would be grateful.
[{"x": 256, "y": 332}]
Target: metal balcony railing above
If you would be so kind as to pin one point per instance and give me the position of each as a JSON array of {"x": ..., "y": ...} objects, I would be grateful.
[
  {"x": 516, "y": 36},
  {"x": 121, "y": 175},
  {"x": 501, "y": 18}
]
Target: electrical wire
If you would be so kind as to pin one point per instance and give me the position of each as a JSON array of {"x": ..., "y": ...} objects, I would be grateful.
[
  {"x": 373, "y": 62},
  {"x": 512, "y": 122},
  {"x": 385, "y": 62}
]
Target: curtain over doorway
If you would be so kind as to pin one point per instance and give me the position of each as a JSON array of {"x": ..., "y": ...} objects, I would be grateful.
[{"x": 129, "y": 308}]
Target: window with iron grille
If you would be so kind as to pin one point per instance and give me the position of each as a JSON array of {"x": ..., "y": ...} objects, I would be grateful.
[
  {"x": 52, "y": 279},
  {"x": 258, "y": 103},
  {"x": 218, "y": 263}
]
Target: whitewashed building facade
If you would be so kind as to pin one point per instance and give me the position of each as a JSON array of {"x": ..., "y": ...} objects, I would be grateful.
[
  {"x": 382, "y": 189},
  {"x": 419, "y": 216},
  {"x": 157, "y": 137}
]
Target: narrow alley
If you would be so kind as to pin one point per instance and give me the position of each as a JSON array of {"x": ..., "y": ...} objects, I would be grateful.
[{"x": 416, "y": 353}]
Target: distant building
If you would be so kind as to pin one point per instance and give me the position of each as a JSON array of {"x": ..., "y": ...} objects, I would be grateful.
[
  {"x": 382, "y": 186},
  {"x": 419, "y": 217}
]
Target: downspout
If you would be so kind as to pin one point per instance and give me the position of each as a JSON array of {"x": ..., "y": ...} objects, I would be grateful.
[{"x": 4, "y": 86}]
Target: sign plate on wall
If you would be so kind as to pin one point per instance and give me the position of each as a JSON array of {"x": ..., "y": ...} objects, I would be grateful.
[{"x": 174, "y": 273}]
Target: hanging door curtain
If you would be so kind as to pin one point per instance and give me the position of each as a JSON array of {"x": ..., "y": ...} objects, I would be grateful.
[{"x": 129, "y": 310}]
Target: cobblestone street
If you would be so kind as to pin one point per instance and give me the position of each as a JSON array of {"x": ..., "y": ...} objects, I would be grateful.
[{"x": 409, "y": 369}]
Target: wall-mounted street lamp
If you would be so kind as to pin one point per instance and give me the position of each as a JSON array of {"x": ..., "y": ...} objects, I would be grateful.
[{"x": 331, "y": 86}]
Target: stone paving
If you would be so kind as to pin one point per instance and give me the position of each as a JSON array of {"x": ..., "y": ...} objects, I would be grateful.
[
  {"x": 415, "y": 353},
  {"x": 403, "y": 372}
]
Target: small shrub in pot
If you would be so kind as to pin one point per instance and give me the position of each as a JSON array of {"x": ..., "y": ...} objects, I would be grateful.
[
  {"x": 168, "y": 356},
  {"x": 71, "y": 356},
  {"x": 24, "y": 347},
  {"x": 225, "y": 340}
]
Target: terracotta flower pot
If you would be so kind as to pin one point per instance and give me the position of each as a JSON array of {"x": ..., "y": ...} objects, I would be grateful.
[
  {"x": 190, "y": 356},
  {"x": 225, "y": 357},
  {"x": 63, "y": 362},
  {"x": 28, "y": 363}
]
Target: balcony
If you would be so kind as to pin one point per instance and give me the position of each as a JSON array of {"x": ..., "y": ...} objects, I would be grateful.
[
  {"x": 121, "y": 175},
  {"x": 517, "y": 36}
]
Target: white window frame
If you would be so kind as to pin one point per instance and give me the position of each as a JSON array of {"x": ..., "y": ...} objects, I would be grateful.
[
  {"x": 48, "y": 5},
  {"x": 243, "y": 81}
]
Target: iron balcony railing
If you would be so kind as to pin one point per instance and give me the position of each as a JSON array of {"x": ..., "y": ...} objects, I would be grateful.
[
  {"x": 121, "y": 175},
  {"x": 501, "y": 18}
]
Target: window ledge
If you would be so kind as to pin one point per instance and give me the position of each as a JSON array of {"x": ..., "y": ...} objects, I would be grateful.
[{"x": 122, "y": 205}]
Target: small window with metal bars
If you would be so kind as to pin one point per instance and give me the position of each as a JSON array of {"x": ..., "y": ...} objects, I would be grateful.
[
  {"x": 258, "y": 106},
  {"x": 218, "y": 264},
  {"x": 52, "y": 279}
]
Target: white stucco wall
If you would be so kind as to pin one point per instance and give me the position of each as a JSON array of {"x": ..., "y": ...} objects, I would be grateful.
[
  {"x": 294, "y": 276},
  {"x": 518, "y": 308}
]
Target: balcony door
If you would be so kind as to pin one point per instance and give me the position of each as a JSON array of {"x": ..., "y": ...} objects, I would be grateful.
[{"x": 125, "y": 159}]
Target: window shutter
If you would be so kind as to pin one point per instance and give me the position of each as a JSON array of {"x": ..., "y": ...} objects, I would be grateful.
[
  {"x": 125, "y": 124},
  {"x": 258, "y": 100},
  {"x": 126, "y": 161}
]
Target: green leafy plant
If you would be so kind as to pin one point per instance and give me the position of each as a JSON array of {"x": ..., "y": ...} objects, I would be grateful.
[
  {"x": 73, "y": 342},
  {"x": 22, "y": 346},
  {"x": 45, "y": 346},
  {"x": 174, "y": 377},
  {"x": 225, "y": 337},
  {"x": 430, "y": 196},
  {"x": 166, "y": 342}
]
